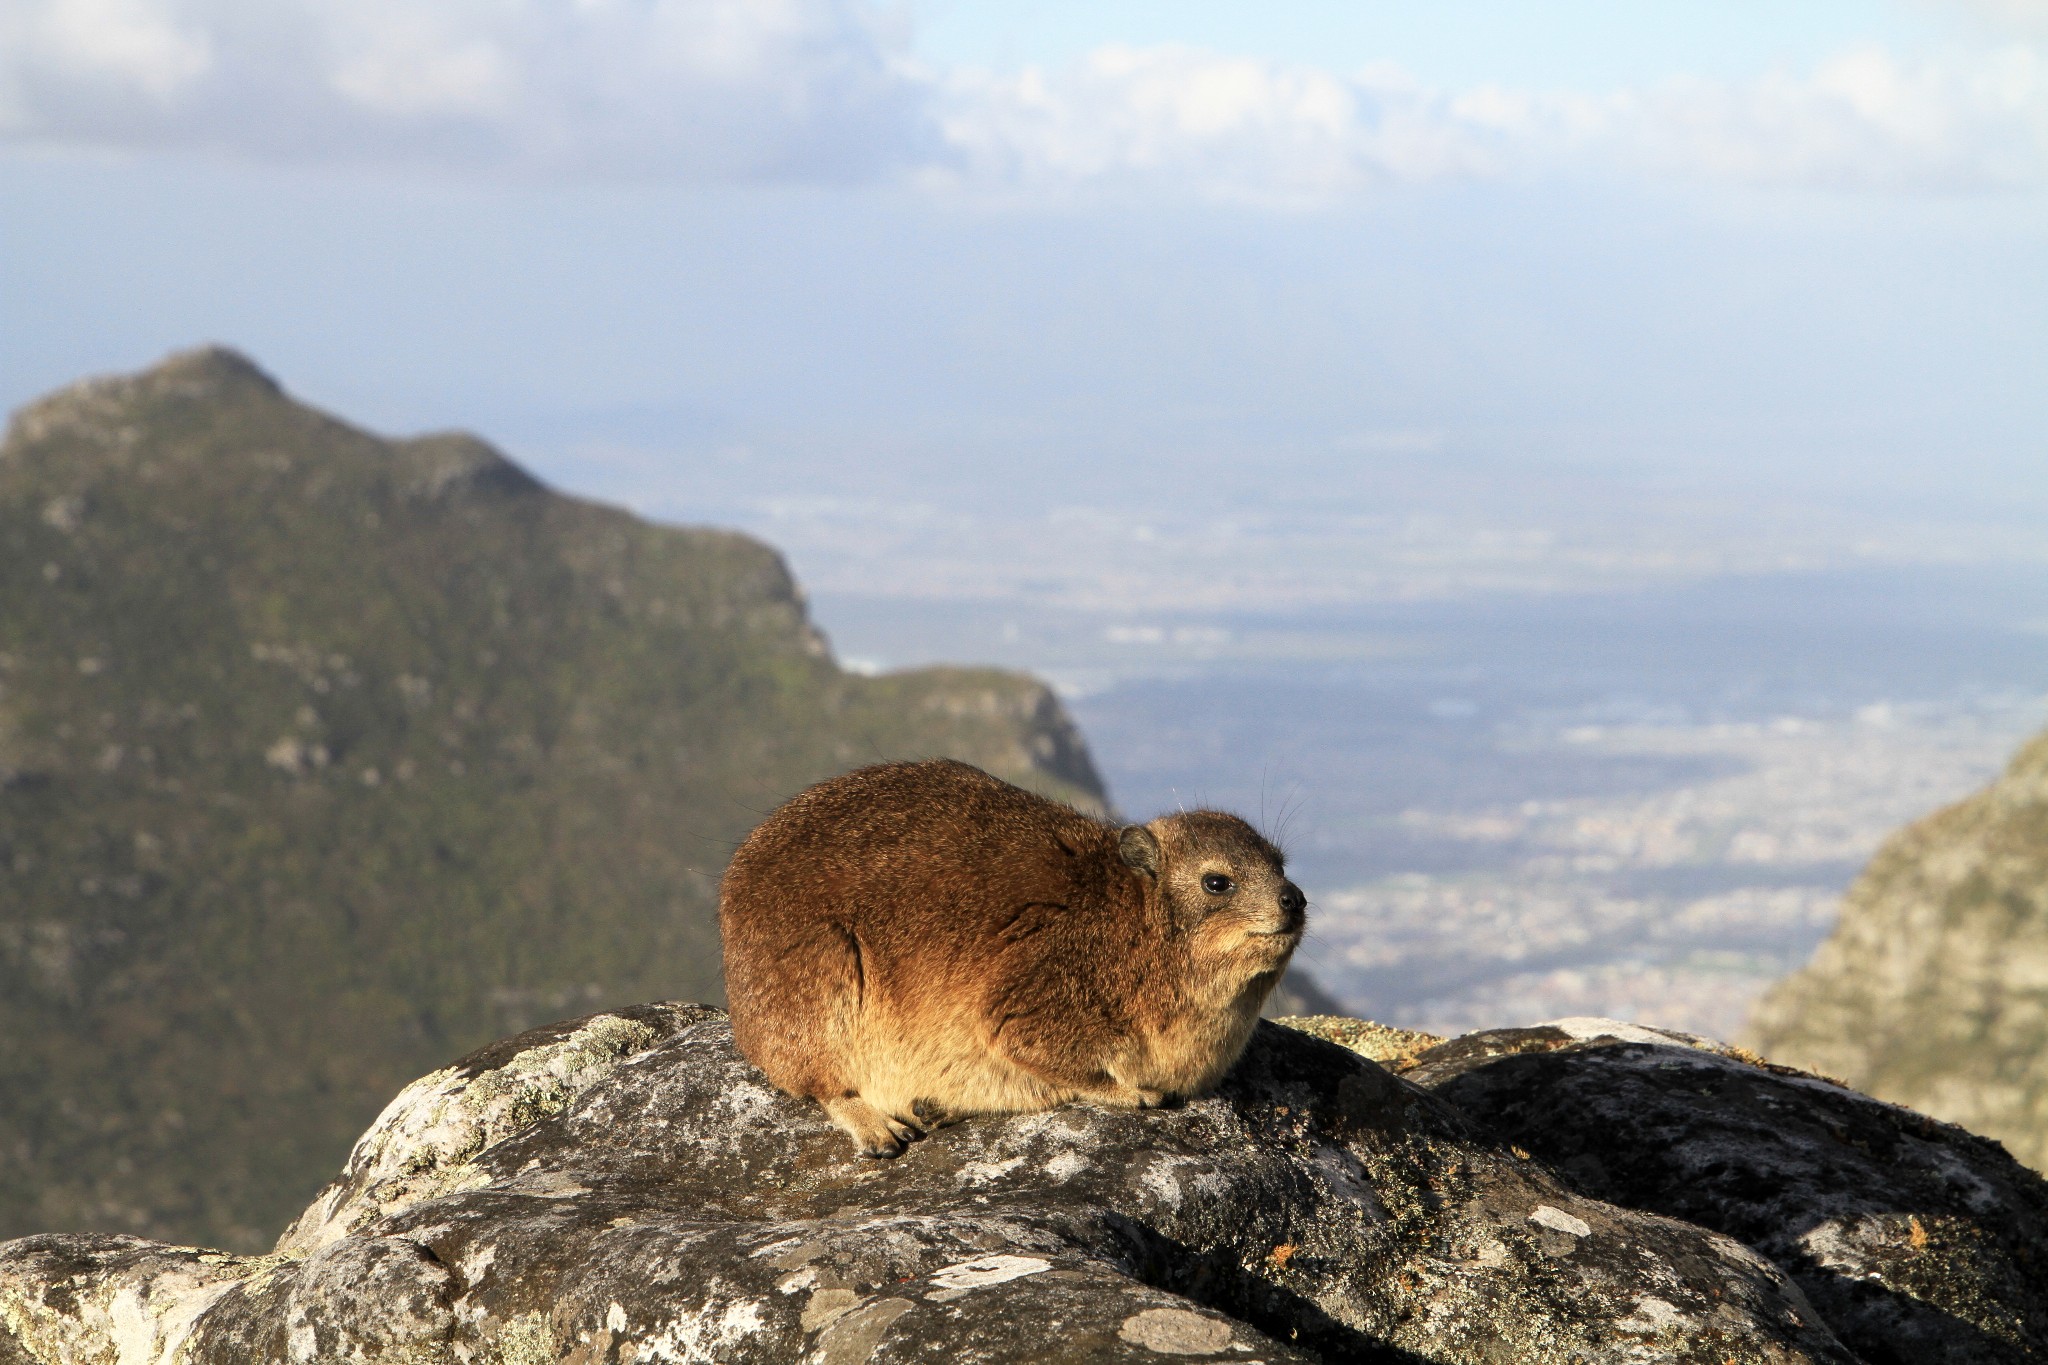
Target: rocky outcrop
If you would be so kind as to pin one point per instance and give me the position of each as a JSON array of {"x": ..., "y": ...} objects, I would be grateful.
[
  {"x": 626, "y": 1188},
  {"x": 1933, "y": 989},
  {"x": 1918, "y": 1242}
]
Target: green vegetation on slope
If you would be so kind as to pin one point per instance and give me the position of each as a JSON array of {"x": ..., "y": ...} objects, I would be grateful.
[
  {"x": 1932, "y": 991},
  {"x": 325, "y": 758}
]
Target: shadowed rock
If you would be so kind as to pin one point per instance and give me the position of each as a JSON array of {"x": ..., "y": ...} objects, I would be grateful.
[
  {"x": 626, "y": 1187},
  {"x": 1918, "y": 1242}
]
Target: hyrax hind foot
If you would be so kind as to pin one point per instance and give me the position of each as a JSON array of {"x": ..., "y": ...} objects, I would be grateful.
[
  {"x": 1136, "y": 1097},
  {"x": 874, "y": 1133}
]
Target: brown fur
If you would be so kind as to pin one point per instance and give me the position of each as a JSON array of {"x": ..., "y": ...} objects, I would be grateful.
[{"x": 915, "y": 942}]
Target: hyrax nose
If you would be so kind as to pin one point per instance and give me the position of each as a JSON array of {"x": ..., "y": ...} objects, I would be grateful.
[{"x": 1293, "y": 903}]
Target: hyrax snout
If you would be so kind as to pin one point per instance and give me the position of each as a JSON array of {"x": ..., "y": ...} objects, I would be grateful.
[{"x": 917, "y": 942}]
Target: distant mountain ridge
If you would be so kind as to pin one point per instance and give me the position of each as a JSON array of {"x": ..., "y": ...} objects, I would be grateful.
[
  {"x": 1932, "y": 991},
  {"x": 325, "y": 757}
]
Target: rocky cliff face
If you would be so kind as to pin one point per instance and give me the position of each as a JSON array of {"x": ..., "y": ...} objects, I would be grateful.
[
  {"x": 624, "y": 1187},
  {"x": 1933, "y": 989},
  {"x": 323, "y": 757}
]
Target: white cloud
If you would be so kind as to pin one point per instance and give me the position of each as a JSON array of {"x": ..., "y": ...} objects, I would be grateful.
[
  {"x": 97, "y": 49},
  {"x": 414, "y": 66},
  {"x": 1178, "y": 119},
  {"x": 824, "y": 90},
  {"x": 1236, "y": 128},
  {"x": 2012, "y": 16},
  {"x": 723, "y": 89},
  {"x": 1864, "y": 120}
]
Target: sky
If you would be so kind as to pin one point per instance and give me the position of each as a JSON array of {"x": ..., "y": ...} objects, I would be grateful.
[{"x": 1178, "y": 303}]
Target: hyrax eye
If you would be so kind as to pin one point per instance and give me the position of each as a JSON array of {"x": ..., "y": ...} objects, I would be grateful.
[{"x": 1216, "y": 884}]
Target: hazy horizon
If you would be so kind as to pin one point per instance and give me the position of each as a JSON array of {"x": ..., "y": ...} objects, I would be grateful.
[{"x": 968, "y": 301}]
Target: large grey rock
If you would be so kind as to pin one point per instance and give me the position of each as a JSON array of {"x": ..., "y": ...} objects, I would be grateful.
[
  {"x": 626, "y": 1187},
  {"x": 1918, "y": 1242}
]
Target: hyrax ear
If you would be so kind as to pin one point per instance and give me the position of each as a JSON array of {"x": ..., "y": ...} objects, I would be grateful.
[{"x": 1139, "y": 849}]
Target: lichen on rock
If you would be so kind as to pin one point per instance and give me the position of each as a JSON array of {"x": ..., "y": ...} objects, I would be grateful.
[
  {"x": 421, "y": 1146},
  {"x": 1917, "y": 1241},
  {"x": 1383, "y": 1043},
  {"x": 111, "y": 1300}
]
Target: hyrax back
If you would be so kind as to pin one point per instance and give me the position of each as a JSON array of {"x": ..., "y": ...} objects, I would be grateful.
[{"x": 917, "y": 941}]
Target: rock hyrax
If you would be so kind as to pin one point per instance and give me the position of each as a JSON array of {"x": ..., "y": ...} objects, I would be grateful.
[{"x": 916, "y": 942}]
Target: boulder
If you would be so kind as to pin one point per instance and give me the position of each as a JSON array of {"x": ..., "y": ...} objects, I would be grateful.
[
  {"x": 626, "y": 1187},
  {"x": 1918, "y": 1242}
]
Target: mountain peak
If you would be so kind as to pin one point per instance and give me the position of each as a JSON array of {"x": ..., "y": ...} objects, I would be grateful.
[
  {"x": 212, "y": 367},
  {"x": 98, "y": 405}
]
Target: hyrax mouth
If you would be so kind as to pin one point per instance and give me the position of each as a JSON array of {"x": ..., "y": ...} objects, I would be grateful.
[
  {"x": 1290, "y": 926},
  {"x": 1293, "y": 911}
]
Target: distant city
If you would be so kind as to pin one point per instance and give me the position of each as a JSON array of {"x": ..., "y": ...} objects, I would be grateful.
[{"x": 1675, "y": 907}]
